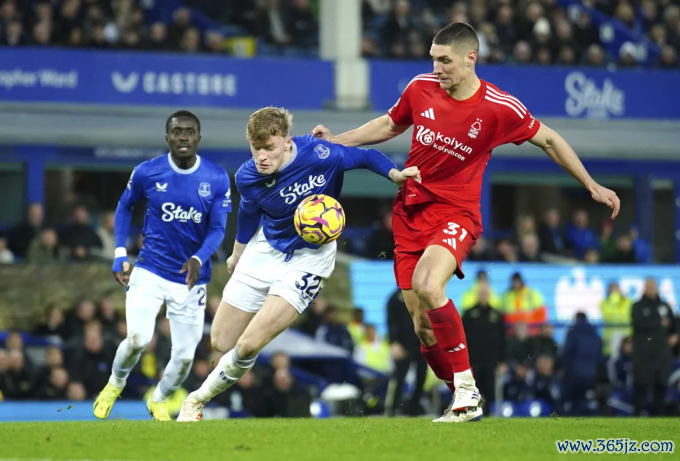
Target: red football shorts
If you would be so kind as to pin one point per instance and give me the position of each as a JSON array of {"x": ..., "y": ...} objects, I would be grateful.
[{"x": 424, "y": 225}]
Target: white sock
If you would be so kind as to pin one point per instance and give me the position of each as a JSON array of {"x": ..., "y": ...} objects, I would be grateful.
[
  {"x": 230, "y": 369},
  {"x": 162, "y": 392},
  {"x": 140, "y": 323},
  {"x": 463, "y": 377},
  {"x": 127, "y": 357},
  {"x": 185, "y": 339}
]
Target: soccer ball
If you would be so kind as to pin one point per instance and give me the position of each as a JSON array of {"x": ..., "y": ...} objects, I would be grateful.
[{"x": 319, "y": 219}]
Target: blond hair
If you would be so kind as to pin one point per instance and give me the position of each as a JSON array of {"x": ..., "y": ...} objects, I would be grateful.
[{"x": 267, "y": 122}]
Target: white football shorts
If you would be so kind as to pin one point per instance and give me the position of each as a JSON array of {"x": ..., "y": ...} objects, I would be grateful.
[
  {"x": 147, "y": 290},
  {"x": 263, "y": 270}
]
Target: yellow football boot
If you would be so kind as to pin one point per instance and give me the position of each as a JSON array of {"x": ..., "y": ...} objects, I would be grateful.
[
  {"x": 105, "y": 400},
  {"x": 158, "y": 410}
]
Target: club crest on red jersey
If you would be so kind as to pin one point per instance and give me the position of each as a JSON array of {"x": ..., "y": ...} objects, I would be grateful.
[{"x": 475, "y": 129}]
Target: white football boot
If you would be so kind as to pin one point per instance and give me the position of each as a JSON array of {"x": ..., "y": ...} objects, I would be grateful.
[
  {"x": 466, "y": 404},
  {"x": 191, "y": 412}
]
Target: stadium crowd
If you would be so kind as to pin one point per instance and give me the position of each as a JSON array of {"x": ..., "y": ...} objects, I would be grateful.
[
  {"x": 521, "y": 32},
  {"x": 510, "y": 31},
  {"x": 591, "y": 373},
  {"x": 545, "y": 241},
  {"x": 78, "y": 239},
  {"x": 71, "y": 354},
  {"x": 122, "y": 24}
]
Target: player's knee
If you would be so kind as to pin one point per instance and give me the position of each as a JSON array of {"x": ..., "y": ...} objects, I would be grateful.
[
  {"x": 137, "y": 342},
  {"x": 217, "y": 344},
  {"x": 248, "y": 347},
  {"x": 183, "y": 356},
  {"x": 427, "y": 291}
]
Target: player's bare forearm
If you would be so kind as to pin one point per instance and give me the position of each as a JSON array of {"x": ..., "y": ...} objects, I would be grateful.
[
  {"x": 238, "y": 248},
  {"x": 561, "y": 152},
  {"x": 376, "y": 131}
]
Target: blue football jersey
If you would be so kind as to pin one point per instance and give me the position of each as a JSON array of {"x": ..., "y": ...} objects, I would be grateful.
[
  {"x": 184, "y": 209},
  {"x": 316, "y": 167}
]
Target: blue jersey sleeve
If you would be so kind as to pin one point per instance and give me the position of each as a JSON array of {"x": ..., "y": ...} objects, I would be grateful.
[
  {"x": 370, "y": 159},
  {"x": 249, "y": 212},
  {"x": 132, "y": 194},
  {"x": 218, "y": 221},
  {"x": 249, "y": 217}
]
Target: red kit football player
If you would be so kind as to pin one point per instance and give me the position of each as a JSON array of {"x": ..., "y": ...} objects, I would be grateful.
[{"x": 458, "y": 120}]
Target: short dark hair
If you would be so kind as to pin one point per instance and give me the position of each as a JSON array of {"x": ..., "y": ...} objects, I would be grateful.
[
  {"x": 182, "y": 114},
  {"x": 457, "y": 33}
]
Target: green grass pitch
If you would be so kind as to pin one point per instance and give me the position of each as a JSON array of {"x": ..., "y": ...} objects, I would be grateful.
[{"x": 346, "y": 439}]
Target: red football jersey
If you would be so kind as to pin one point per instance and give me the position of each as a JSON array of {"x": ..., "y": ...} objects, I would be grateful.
[{"x": 452, "y": 140}]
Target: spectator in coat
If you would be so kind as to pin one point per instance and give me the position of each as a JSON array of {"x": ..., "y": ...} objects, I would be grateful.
[
  {"x": 335, "y": 332},
  {"x": 654, "y": 335},
  {"x": 520, "y": 345},
  {"x": 580, "y": 237},
  {"x": 405, "y": 350},
  {"x": 21, "y": 235},
  {"x": 522, "y": 303},
  {"x": 470, "y": 297},
  {"x": 485, "y": 331},
  {"x": 44, "y": 249},
  {"x": 544, "y": 383},
  {"x": 615, "y": 310},
  {"x": 620, "y": 370},
  {"x": 517, "y": 388},
  {"x": 550, "y": 234},
  {"x": 580, "y": 360},
  {"x": 642, "y": 250}
]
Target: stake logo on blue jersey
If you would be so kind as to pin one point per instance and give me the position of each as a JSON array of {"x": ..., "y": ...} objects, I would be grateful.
[
  {"x": 186, "y": 215},
  {"x": 316, "y": 167}
]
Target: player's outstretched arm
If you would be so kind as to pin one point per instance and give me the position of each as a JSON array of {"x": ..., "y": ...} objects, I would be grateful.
[
  {"x": 121, "y": 265},
  {"x": 561, "y": 152},
  {"x": 121, "y": 225},
  {"x": 376, "y": 131},
  {"x": 377, "y": 162}
]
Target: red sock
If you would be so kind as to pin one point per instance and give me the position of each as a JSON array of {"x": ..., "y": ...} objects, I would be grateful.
[
  {"x": 439, "y": 362},
  {"x": 448, "y": 329}
]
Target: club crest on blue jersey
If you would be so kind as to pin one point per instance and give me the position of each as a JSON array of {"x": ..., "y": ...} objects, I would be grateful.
[
  {"x": 322, "y": 151},
  {"x": 204, "y": 189}
]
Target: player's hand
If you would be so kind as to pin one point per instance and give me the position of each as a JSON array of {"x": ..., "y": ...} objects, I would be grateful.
[
  {"x": 397, "y": 351},
  {"x": 608, "y": 197},
  {"x": 193, "y": 268},
  {"x": 232, "y": 261},
  {"x": 322, "y": 132},
  {"x": 121, "y": 270},
  {"x": 400, "y": 177}
]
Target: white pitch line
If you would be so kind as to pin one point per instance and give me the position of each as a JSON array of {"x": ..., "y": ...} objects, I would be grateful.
[{"x": 62, "y": 459}]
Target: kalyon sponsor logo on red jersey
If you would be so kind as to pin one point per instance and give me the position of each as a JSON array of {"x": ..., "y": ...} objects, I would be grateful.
[{"x": 442, "y": 143}]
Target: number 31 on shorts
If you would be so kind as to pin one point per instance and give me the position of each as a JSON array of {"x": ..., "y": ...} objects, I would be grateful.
[{"x": 453, "y": 231}]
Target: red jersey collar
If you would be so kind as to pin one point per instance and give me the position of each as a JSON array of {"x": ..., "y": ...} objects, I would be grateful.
[{"x": 474, "y": 99}]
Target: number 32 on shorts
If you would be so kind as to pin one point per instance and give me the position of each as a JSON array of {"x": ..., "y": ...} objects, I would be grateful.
[
  {"x": 309, "y": 286},
  {"x": 452, "y": 230}
]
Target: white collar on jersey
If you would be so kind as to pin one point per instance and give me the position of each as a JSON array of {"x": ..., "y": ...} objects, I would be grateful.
[
  {"x": 181, "y": 171},
  {"x": 291, "y": 159}
]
